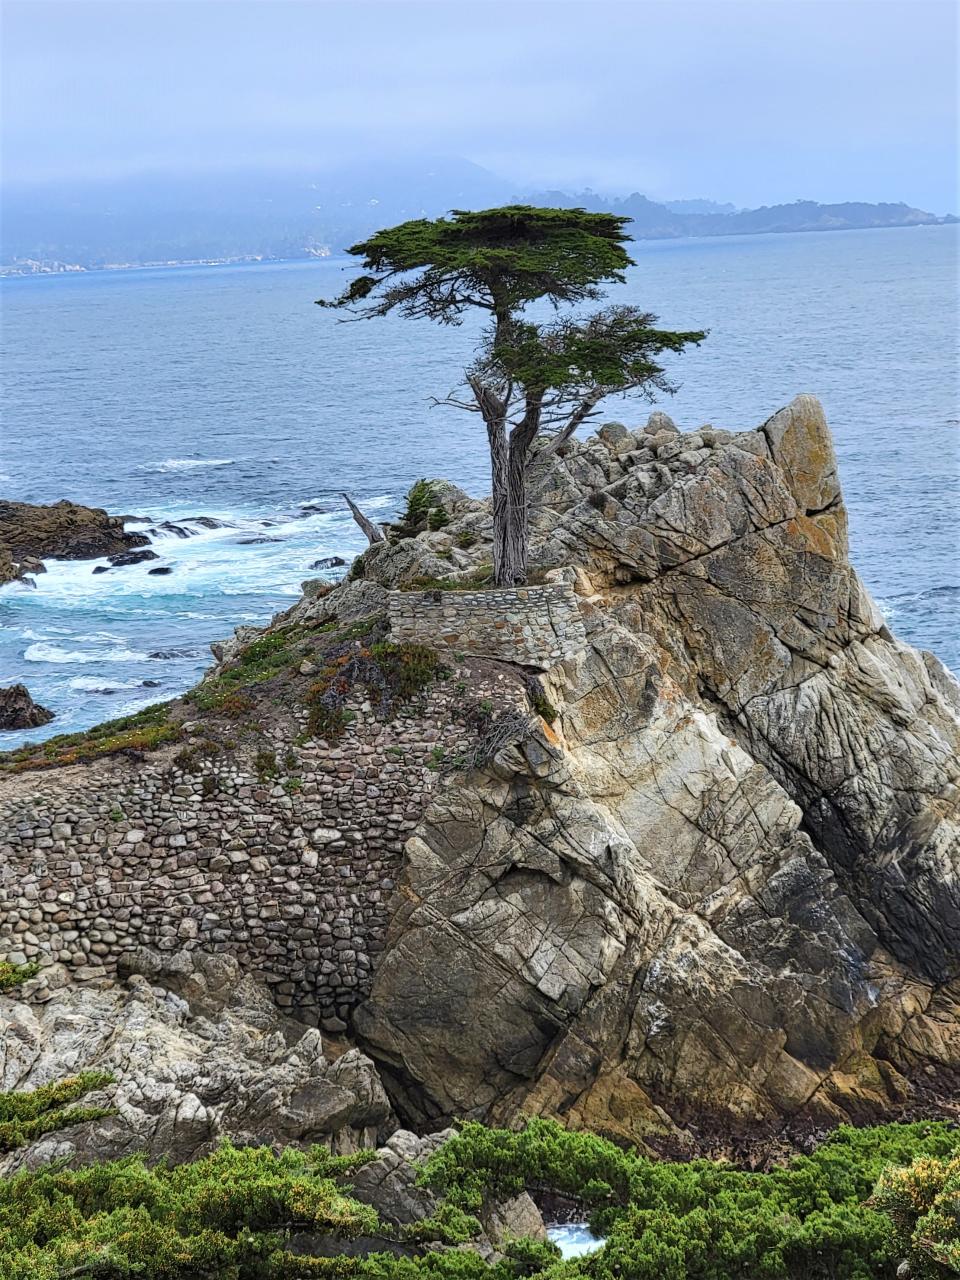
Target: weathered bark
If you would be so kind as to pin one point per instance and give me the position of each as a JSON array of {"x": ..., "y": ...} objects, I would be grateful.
[
  {"x": 500, "y": 489},
  {"x": 579, "y": 416},
  {"x": 514, "y": 538},
  {"x": 509, "y": 461},
  {"x": 374, "y": 533}
]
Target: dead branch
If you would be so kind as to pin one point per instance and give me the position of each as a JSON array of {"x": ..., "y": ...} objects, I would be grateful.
[{"x": 373, "y": 531}]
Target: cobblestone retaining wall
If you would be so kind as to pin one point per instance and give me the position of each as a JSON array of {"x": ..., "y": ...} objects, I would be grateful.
[
  {"x": 292, "y": 875},
  {"x": 532, "y": 626}
]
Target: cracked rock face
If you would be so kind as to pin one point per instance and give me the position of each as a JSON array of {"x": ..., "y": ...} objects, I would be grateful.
[
  {"x": 198, "y": 1053},
  {"x": 726, "y": 881}
]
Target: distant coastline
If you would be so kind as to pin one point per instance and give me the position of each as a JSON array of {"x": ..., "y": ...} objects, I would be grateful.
[
  {"x": 31, "y": 268},
  {"x": 35, "y": 267}
]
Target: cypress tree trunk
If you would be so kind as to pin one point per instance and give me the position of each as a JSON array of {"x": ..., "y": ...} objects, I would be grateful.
[
  {"x": 500, "y": 487},
  {"x": 512, "y": 539}
]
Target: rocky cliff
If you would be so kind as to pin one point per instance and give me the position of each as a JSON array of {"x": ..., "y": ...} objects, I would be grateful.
[
  {"x": 726, "y": 878},
  {"x": 696, "y": 858}
]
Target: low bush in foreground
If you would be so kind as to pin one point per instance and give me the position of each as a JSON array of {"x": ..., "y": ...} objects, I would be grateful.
[{"x": 236, "y": 1214}]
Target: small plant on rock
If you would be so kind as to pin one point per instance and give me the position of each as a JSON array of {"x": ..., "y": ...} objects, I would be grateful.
[{"x": 12, "y": 975}]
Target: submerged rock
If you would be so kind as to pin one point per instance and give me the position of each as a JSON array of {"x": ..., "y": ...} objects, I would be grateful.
[
  {"x": 19, "y": 711},
  {"x": 132, "y": 557}
]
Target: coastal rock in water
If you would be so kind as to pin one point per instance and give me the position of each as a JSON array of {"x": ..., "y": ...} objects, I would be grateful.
[
  {"x": 132, "y": 557},
  {"x": 61, "y": 531},
  {"x": 19, "y": 711},
  {"x": 329, "y": 562},
  {"x": 199, "y": 1053}
]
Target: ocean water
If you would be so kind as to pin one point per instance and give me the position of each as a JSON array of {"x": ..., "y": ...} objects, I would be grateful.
[
  {"x": 573, "y": 1239},
  {"x": 225, "y": 392}
]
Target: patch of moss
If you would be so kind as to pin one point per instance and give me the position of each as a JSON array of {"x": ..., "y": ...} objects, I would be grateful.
[
  {"x": 145, "y": 730},
  {"x": 540, "y": 702},
  {"x": 12, "y": 975},
  {"x": 481, "y": 577}
]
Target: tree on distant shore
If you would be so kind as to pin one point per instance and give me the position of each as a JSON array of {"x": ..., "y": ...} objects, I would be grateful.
[{"x": 530, "y": 380}]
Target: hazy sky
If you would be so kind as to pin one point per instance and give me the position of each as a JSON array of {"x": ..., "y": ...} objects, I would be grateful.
[{"x": 753, "y": 101}]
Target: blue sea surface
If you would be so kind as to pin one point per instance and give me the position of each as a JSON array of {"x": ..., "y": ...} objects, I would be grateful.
[{"x": 224, "y": 392}]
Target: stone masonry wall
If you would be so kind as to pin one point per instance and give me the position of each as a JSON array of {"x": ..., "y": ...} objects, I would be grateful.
[
  {"x": 292, "y": 875},
  {"x": 531, "y": 626}
]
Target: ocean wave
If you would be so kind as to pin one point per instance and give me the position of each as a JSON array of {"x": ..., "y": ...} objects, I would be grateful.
[
  {"x": 185, "y": 464},
  {"x": 42, "y": 652},
  {"x": 100, "y": 684},
  {"x": 930, "y": 593}
]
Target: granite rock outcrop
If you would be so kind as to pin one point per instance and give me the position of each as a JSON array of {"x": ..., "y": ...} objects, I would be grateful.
[
  {"x": 19, "y": 711},
  {"x": 726, "y": 880},
  {"x": 701, "y": 864},
  {"x": 30, "y": 534},
  {"x": 198, "y": 1053}
]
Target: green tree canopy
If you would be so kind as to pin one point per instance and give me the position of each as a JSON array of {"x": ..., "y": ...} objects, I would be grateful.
[
  {"x": 529, "y": 379},
  {"x": 496, "y": 259}
]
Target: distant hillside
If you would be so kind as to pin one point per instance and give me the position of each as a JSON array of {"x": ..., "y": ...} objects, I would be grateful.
[
  {"x": 272, "y": 216},
  {"x": 652, "y": 221},
  {"x": 699, "y": 206}
]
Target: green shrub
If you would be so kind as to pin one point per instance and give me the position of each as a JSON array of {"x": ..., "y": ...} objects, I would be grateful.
[
  {"x": 393, "y": 673},
  {"x": 704, "y": 1220},
  {"x": 144, "y": 730},
  {"x": 420, "y": 499},
  {"x": 27, "y": 1115},
  {"x": 230, "y": 1215},
  {"x": 261, "y": 660},
  {"x": 922, "y": 1202},
  {"x": 225, "y": 1217},
  {"x": 11, "y": 975},
  {"x": 265, "y": 764}
]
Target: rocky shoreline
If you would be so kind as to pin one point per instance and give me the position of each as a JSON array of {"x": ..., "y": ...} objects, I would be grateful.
[
  {"x": 30, "y": 534},
  {"x": 693, "y": 873}
]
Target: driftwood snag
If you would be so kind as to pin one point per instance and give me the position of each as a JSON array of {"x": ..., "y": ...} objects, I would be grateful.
[{"x": 373, "y": 531}]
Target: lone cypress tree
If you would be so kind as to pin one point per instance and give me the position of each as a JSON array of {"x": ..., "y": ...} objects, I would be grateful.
[{"x": 529, "y": 380}]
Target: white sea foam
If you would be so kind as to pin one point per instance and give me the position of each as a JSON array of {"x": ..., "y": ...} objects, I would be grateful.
[
  {"x": 42, "y": 652},
  {"x": 185, "y": 464},
  {"x": 102, "y": 684},
  {"x": 573, "y": 1239}
]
